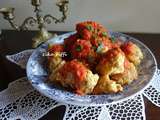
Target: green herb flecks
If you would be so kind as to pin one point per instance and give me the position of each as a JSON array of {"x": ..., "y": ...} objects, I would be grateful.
[
  {"x": 89, "y": 27},
  {"x": 79, "y": 48},
  {"x": 104, "y": 34}
]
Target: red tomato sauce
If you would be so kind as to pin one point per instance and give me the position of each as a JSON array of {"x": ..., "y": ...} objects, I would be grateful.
[
  {"x": 110, "y": 54},
  {"x": 127, "y": 48},
  {"x": 77, "y": 69},
  {"x": 81, "y": 49},
  {"x": 126, "y": 63},
  {"x": 68, "y": 42},
  {"x": 56, "y": 48}
]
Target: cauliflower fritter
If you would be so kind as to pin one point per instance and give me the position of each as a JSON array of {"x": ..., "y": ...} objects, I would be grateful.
[
  {"x": 54, "y": 60},
  {"x": 112, "y": 62},
  {"x": 81, "y": 49},
  {"x": 129, "y": 74},
  {"x": 105, "y": 85},
  {"x": 96, "y": 34},
  {"x": 132, "y": 52},
  {"x": 75, "y": 75},
  {"x": 55, "y": 76},
  {"x": 102, "y": 45},
  {"x": 88, "y": 84},
  {"x": 68, "y": 42},
  {"x": 89, "y": 29}
]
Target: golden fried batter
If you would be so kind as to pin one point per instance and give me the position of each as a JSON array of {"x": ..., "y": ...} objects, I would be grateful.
[
  {"x": 112, "y": 63},
  {"x": 132, "y": 52},
  {"x": 105, "y": 85},
  {"x": 129, "y": 74},
  {"x": 54, "y": 60},
  {"x": 72, "y": 78}
]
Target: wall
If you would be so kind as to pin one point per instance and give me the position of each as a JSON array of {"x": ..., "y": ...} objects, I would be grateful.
[{"x": 118, "y": 15}]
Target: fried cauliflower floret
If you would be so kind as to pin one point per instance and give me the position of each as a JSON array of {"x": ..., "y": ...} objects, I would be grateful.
[
  {"x": 88, "y": 84},
  {"x": 75, "y": 75},
  {"x": 112, "y": 62},
  {"x": 129, "y": 74},
  {"x": 89, "y": 29},
  {"x": 55, "y": 57},
  {"x": 102, "y": 44},
  {"x": 96, "y": 34},
  {"x": 105, "y": 85},
  {"x": 55, "y": 76},
  {"x": 54, "y": 60},
  {"x": 132, "y": 52},
  {"x": 69, "y": 41},
  {"x": 81, "y": 48}
]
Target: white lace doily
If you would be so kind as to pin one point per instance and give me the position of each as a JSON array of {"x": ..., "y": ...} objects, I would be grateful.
[{"x": 21, "y": 101}]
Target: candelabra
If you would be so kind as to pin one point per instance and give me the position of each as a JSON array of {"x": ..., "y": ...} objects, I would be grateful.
[{"x": 39, "y": 19}]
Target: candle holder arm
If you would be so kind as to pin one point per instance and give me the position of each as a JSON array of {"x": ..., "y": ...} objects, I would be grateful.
[
  {"x": 63, "y": 8},
  {"x": 28, "y": 22}
]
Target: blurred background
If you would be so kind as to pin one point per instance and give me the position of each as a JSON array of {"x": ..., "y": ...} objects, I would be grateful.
[{"x": 118, "y": 15}]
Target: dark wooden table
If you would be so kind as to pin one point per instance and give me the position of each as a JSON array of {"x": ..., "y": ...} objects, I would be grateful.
[{"x": 13, "y": 42}]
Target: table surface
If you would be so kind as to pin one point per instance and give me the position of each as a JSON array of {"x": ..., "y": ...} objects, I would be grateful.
[{"x": 12, "y": 42}]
